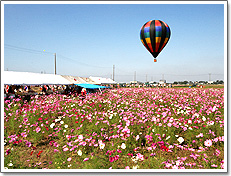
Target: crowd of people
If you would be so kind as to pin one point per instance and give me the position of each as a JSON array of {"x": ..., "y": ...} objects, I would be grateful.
[{"x": 25, "y": 91}]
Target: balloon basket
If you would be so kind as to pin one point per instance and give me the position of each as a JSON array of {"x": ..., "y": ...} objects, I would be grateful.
[{"x": 155, "y": 60}]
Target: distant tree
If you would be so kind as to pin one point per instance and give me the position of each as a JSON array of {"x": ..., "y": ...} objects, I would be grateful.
[
  {"x": 185, "y": 82},
  {"x": 203, "y": 82},
  {"x": 218, "y": 82},
  {"x": 175, "y": 82}
]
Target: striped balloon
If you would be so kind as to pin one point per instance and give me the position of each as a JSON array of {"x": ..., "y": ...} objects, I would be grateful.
[{"x": 155, "y": 35}]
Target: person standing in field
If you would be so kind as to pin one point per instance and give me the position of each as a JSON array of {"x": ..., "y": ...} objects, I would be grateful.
[{"x": 83, "y": 93}]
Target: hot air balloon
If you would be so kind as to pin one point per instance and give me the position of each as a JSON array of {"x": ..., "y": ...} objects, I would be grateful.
[{"x": 155, "y": 35}]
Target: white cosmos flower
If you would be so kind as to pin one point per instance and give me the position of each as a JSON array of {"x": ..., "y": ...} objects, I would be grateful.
[
  {"x": 168, "y": 138},
  {"x": 214, "y": 109},
  {"x": 101, "y": 145},
  {"x": 204, "y": 119},
  {"x": 56, "y": 120},
  {"x": 80, "y": 137},
  {"x": 137, "y": 137},
  {"x": 135, "y": 167},
  {"x": 134, "y": 159},
  {"x": 61, "y": 122},
  {"x": 10, "y": 164},
  {"x": 210, "y": 123},
  {"x": 123, "y": 146},
  {"x": 110, "y": 117},
  {"x": 65, "y": 126},
  {"x": 52, "y": 125},
  {"x": 177, "y": 163},
  {"x": 80, "y": 153},
  {"x": 180, "y": 140}
]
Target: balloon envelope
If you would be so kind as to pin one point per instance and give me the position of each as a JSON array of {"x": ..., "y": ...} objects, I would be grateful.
[{"x": 155, "y": 35}]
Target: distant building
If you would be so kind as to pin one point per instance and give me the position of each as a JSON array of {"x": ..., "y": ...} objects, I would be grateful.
[
  {"x": 162, "y": 81},
  {"x": 135, "y": 82}
]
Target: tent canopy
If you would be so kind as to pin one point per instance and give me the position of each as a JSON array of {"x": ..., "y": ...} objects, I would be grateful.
[
  {"x": 27, "y": 78},
  {"x": 90, "y": 86},
  {"x": 100, "y": 80}
]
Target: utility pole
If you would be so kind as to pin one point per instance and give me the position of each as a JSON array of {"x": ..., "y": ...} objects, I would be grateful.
[
  {"x": 113, "y": 75},
  {"x": 209, "y": 76},
  {"x": 146, "y": 78},
  {"x": 135, "y": 76},
  {"x": 162, "y": 76},
  {"x": 55, "y": 63}
]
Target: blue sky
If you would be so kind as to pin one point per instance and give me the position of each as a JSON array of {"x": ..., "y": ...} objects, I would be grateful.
[{"x": 90, "y": 38}]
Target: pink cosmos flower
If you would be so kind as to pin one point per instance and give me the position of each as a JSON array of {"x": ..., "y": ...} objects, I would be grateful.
[
  {"x": 23, "y": 134},
  {"x": 86, "y": 159},
  {"x": 213, "y": 165},
  {"x": 217, "y": 152},
  {"x": 175, "y": 167},
  {"x": 28, "y": 144},
  {"x": 111, "y": 159},
  {"x": 38, "y": 129},
  {"x": 55, "y": 150},
  {"x": 7, "y": 151},
  {"x": 208, "y": 143},
  {"x": 69, "y": 159},
  {"x": 140, "y": 156},
  {"x": 119, "y": 151},
  {"x": 117, "y": 157},
  {"x": 25, "y": 120},
  {"x": 168, "y": 165},
  {"x": 149, "y": 148},
  {"x": 222, "y": 166},
  {"x": 199, "y": 135},
  {"x": 127, "y": 167},
  {"x": 65, "y": 149}
]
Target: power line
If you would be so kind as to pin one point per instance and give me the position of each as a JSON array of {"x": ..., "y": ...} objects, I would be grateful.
[
  {"x": 73, "y": 60},
  {"x": 45, "y": 52},
  {"x": 26, "y": 49}
]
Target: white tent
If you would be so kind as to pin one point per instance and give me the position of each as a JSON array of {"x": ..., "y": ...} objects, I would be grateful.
[
  {"x": 73, "y": 79},
  {"x": 100, "y": 80},
  {"x": 20, "y": 78}
]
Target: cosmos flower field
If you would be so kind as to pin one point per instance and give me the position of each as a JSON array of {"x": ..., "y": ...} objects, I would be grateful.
[{"x": 126, "y": 128}]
